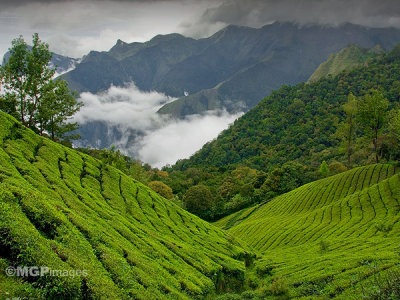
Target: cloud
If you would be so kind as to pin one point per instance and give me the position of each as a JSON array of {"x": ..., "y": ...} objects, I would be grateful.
[
  {"x": 256, "y": 13},
  {"x": 73, "y": 27},
  {"x": 133, "y": 125},
  {"x": 181, "y": 138},
  {"x": 126, "y": 106}
]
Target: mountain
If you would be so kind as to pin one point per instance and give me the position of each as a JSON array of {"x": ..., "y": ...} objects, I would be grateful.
[
  {"x": 346, "y": 59},
  {"x": 299, "y": 123},
  {"x": 334, "y": 238},
  {"x": 65, "y": 212},
  {"x": 147, "y": 64},
  {"x": 233, "y": 69},
  {"x": 63, "y": 63}
]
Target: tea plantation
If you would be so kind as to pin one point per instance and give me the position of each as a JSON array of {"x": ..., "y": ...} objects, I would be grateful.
[
  {"x": 336, "y": 237},
  {"x": 64, "y": 210}
]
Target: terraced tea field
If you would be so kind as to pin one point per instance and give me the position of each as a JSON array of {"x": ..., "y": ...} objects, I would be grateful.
[
  {"x": 64, "y": 210},
  {"x": 67, "y": 211},
  {"x": 327, "y": 238}
]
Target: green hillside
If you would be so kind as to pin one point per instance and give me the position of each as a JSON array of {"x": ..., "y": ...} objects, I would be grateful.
[
  {"x": 328, "y": 238},
  {"x": 65, "y": 210},
  {"x": 298, "y": 123},
  {"x": 346, "y": 59}
]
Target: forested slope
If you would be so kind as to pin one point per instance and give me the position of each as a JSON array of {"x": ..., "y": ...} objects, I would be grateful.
[
  {"x": 299, "y": 122},
  {"x": 68, "y": 211}
]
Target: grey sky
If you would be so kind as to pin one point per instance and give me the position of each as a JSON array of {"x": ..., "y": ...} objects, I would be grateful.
[{"x": 75, "y": 27}]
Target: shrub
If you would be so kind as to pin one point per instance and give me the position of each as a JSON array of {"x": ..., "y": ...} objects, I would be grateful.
[
  {"x": 161, "y": 189},
  {"x": 279, "y": 287},
  {"x": 324, "y": 245},
  {"x": 199, "y": 201},
  {"x": 383, "y": 286}
]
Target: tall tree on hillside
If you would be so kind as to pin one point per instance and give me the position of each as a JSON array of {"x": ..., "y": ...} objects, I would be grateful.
[
  {"x": 395, "y": 124},
  {"x": 26, "y": 77},
  {"x": 372, "y": 112},
  {"x": 394, "y": 133},
  {"x": 323, "y": 169},
  {"x": 347, "y": 130},
  {"x": 56, "y": 107},
  {"x": 31, "y": 94},
  {"x": 199, "y": 201},
  {"x": 13, "y": 80}
]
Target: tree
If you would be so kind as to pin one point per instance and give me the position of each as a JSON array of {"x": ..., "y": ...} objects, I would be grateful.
[
  {"x": 199, "y": 201},
  {"x": 57, "y": 106},
  {"x": 284, "y": 179},
  {"x": 161, "y": 189},
  {"x": 323, "y": 169},
  {"x": 372, "y": 112},
  {"x": 393, "y": 141},
  {"x": 13, "y": 80},
  {"x": 347, "y": 130},
  {"x": 395, "y": 124},
  {"x": 31, "y": 94}
]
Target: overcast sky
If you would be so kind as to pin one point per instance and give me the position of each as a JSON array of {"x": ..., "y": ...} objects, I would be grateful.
[{"x": 74, "y": 28}]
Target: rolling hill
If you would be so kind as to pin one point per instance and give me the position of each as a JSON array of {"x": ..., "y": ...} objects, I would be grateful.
[
  {"x": 329, "y": 238},
  {"x": 64, "y": 210}
]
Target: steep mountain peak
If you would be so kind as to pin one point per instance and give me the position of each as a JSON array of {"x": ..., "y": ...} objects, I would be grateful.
[
  {"x": 119, "y": 44},
  {"x": 231, "y": 30},
  {"x": 165, "y": 37}
]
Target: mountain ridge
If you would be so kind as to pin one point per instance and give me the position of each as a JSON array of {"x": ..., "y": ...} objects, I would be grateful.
[
  {"x": 346, "y": 59},
  {"x": 205, "y": 63}
]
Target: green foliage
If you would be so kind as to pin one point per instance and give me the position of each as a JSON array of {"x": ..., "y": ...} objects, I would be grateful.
[
  {"x": 281, "y": 143},
  {"x": 279, "y": 287},
  {"x": 56, "y": 108},
  {"x": 372, "y": 113},
  {"x": 30, "y": 93},
  {"x": 126, "y": 164},
  {"x": 162, "y": 189},
  {"x": 323, "y": 169},
  {"x": 346, "y": 59},
  {"x": 384, "y": 285},
  {"x": 347, "y": 130},
  {"x": 324, "y": 245},
  {"x": 198, "y": 200},
  {"x": 69, "y": 211},
  {"x": 281, "y": 180},
  {"x": 273, "y": 133}
]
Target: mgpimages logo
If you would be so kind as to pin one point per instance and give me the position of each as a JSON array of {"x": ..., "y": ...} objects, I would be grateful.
[{"x": 35, "y": 271}]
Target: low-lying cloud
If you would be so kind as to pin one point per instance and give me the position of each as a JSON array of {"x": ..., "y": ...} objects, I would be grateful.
[
  {"x": 130, "y": 121},
  {"x": 181, "y": 138},
  {"x": 123, "y": 106}
]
